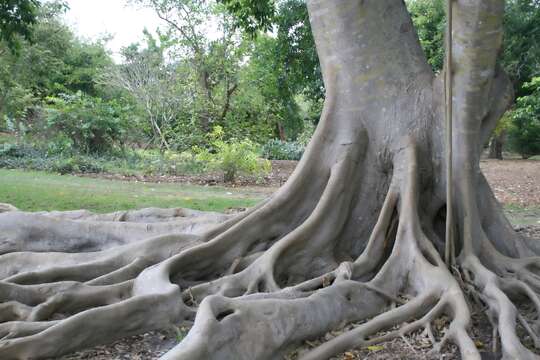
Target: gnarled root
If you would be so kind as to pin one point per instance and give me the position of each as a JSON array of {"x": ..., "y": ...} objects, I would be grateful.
[
  {"x": 307, "y": 310},
  {"x": 282, "y": 285}
]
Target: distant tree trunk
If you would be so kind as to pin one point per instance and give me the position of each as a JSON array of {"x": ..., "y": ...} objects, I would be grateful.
[
  {"x": 496, "y": 146},
  {"x": 281, "y": 132}
]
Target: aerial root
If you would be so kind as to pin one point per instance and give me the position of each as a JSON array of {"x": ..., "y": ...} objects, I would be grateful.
[
  {"x": 413, "y": 267},
  {"x": 495, "y": 291},
  {"x": 146, "y": 216},
  {"x": 360, "y": 335},
  {"x": 40, "y": 302},
  {"x": 277, "y": 271}
]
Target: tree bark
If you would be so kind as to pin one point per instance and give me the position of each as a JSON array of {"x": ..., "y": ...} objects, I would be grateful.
[
  {"x": 496, "y": 146},
  {"x": 359, "y": 225}
]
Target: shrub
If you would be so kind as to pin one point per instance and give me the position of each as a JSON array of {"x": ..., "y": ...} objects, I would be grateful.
[
  {"x": 524, "y": 132},
  {"x": 18, "y": 151},
  {"x": 76, "y": 164},
  {"x": 232, "y": 157},
  {"x": 282, "y": 150},
  {"x": 305, "y": 136},
  {"x": 83, "y": 123},
  {"x": 183, "y": 162}
]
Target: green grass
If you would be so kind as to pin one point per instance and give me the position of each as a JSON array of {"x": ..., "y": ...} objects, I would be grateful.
[
  {"x": 37, "y": 191},
  {"x": 519, "y": 215}
]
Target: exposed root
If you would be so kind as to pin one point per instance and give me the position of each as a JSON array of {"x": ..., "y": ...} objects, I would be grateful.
[
  {"x": 62, "y": 292},
  {"x": 272, "y": 270},
  {"x": 57, "y": 232},
  {"x": 286, "y": 280}
]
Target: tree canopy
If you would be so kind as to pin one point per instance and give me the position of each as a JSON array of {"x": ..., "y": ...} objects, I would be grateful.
[{"x": 16, "y": 19}]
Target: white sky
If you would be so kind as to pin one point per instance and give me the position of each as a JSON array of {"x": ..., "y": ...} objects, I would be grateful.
[{"x": 92, "y": 19}]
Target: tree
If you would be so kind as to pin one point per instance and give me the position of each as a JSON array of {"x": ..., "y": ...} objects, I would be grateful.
[
  {"x": 16, "y": 18},
  {"x": 429, "y": 19},
  {"x": 213, "y": 61},
  {"x": 285, "y": 66},
  {"x": 359, "y": 225},
  {"x": 520, "y": 50},
  {"x": 153, "y": 83},
  {"x": 55, "y": 62},
  {"x": 525, "y": 128},
  {"x": 498, "y": 139}
]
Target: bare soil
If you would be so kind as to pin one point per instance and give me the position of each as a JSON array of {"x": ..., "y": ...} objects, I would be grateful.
[{"x": 514, "y": 181}]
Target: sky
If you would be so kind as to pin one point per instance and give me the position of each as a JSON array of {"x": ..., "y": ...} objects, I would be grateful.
[{"x": 91, "y": 19}]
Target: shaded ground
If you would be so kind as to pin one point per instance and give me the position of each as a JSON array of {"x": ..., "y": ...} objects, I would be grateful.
[{"x": 514, "y": 181}]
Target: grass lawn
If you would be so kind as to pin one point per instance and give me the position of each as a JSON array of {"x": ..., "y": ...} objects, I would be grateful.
[
  {"x": 519, "y": 215},
  {"x": 36, "y": 191}
]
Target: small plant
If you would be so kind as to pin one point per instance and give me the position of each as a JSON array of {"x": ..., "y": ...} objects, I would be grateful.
[
  {"x": 182, "y": 163},
  {"x": 180, "y": 333},
  {"x": 282, "y": 150},
  {"x": 232, "y": 157}
]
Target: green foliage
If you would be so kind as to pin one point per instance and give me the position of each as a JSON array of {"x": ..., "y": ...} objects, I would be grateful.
[
  {"x": 131, "y": 163},
  {"x": 428, "y": 17},
  {"x": 282, "y": 150},
  {"x": 76, "y": 164},
  {"x": 296, "y": 51},
  {"x": 524, "y": 132},
  {"x": 521, "y": 48},
  {"x": 233, "y": 156},
  {"x": 54, "y": 63},
  {"x": 17, "y": 150},
  {"x": 83, "y": 123},
  {"x": 16, "y": 18},
  {"x": 252, "y": 15}
]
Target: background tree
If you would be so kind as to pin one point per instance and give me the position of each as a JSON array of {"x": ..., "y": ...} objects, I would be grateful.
[
  {"x": 525, "y": 127},
  {"x": 215, "y": 61},
  {"x": 54, "y": 63},
  {"x": 153, "y": 82},
  {"x": 16, "y": 18}
]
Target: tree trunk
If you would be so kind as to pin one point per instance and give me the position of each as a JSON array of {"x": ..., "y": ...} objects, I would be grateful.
[
  {"x": 281, "y": 132},
  {"x": 359, "y": 225},
  {"x": 496, "y": 146}
]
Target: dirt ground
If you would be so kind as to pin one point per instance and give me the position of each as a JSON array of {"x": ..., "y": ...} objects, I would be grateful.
[{"x": 515, "y": 183}]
